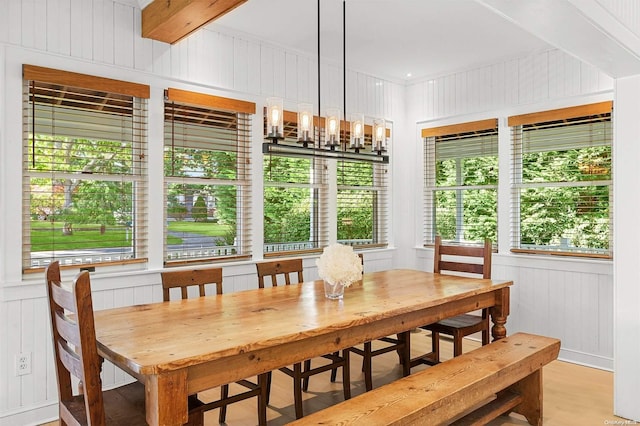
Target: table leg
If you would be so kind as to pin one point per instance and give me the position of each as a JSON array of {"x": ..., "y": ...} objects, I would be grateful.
[
  {"x": 167, "y": 399},
  {"x": 499, "y": 313}
]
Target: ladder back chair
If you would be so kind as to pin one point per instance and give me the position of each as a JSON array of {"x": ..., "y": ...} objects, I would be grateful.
[
  {"x": 183, "y": 280},
  {"x": 287, "y": 268},
  {"x": 76, "y": 354},
  {"x": 468, "y": 260},
  {"x": 400, "y": 343}
]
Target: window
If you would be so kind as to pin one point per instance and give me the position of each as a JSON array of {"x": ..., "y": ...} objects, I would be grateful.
[
  {"x": 562, "y": 185},
  {"x": 295, "y": 199},
  {"x": 461, "y": 172},
  {"x": 207, "y": 175},
  {"x": 84, "y": 169},
  {"x": 362, "y": 201}
]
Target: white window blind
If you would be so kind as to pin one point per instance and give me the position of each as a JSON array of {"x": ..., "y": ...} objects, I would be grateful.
[
  {"x": 207, "y": 175},
  {"x": 295, "y": 199},
  {"x": 362, "y": 201},
  {"x": 84, "y": 170},
  {"x": 461, "y": 181},
  {"x": 562, "y": 181}
]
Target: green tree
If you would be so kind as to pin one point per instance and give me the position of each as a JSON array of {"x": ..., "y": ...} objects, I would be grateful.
[
  {"x": 199, "y": 210},
  {"x": 287, "y": 208}
]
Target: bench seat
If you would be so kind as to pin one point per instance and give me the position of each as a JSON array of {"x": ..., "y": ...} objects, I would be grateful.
[{"x": 472, "y": 388}]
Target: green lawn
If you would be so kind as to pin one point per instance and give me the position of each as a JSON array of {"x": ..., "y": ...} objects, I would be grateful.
[
  {"x": 87, "y": 235},
  {"x": 203, "y": 228}
]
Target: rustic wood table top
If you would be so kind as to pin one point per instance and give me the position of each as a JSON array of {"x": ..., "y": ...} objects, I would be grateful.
[{"x": 182, "y": 347}]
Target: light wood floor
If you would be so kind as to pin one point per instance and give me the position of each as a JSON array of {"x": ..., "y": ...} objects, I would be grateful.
[{"x": 573, "y": 394}]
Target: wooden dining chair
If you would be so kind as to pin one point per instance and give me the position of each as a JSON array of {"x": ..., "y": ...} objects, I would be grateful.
[
  {"x": 76, "y": 353},
  {"x": 284, "y": 270},
  {"x": 470, "y": 261},
  {"x": 400, "y": 343},
  {"x": 183, "y": 280}
]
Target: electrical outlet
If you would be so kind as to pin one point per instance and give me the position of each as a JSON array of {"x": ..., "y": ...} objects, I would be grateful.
[{"x": 23, "y": 364}]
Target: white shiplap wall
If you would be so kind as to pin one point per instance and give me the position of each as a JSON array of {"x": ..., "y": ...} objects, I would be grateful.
[
  {"x": 568, "y": 299},
  {"x": 102, "y": 37}
]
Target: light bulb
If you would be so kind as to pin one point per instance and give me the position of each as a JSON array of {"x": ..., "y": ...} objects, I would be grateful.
[
  {"x": 358, "y": 130},
  {"x": 275, "y": 116},
  {"x": 332, "y": 126},
  {"x": 305, "y": 122}
]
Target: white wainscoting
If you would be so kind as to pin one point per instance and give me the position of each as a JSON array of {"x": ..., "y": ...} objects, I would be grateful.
[{"x": 570, "y": 299}]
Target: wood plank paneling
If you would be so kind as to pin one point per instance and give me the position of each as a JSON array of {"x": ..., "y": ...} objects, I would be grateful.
[
  {"x": 291, "y": 75},
  {"x": 267, "y": 85},
  {"x": 123, "y": 23}
]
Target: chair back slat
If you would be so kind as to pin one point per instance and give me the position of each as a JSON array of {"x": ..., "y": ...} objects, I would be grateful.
[
  {"x": 186, "y": 279},
  {"x": 470, "y": 268},
  {"x": 63, "y": 297},
  {"x": 67, "y": 329},
  {"x": 285, "y": 268},
  {"x": 70, "y": 359},
  {"x": 467, "y": 259}
]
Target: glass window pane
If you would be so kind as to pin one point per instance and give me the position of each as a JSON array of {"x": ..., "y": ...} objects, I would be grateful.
[{"x": 201, "y": 221}]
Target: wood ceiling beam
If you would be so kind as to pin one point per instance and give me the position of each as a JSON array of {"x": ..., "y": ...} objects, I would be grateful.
[{"x": 172, "y": 20}]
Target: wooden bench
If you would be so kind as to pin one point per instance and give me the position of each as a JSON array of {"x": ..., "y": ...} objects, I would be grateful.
[{"x": 471, "y": 389}]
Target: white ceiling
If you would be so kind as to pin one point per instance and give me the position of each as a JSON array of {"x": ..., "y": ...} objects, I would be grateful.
[{"x": 387, "y": 38}]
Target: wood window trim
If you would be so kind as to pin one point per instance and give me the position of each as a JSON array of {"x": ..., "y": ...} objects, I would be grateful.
[
  {"x": 40, "y": 270},
  {"x": 207, "y": 260},
  {"x": 453, "y": 129},
  {"x": 561, "y": 113},
  {"x": 562, "y": 253},
  {"x": 216, "y": 102},
  {"x": 68, "y": 78}
]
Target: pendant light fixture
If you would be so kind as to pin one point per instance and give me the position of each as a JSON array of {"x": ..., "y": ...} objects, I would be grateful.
[{"x": 334, "y": 144}]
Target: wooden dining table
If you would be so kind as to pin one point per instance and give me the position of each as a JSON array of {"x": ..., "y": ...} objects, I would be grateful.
[{"x": 182, "y": 347}]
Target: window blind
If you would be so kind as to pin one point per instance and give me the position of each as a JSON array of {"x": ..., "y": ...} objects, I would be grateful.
[
  {"x": 562, "y": 192},
  {"x": 362, "y": 201},
  {"x": 208, "y": 177},
  {"x": 461, "y": 181},
  {"x": 84, "y": 170},
  {"x": 295, "y": 199}
]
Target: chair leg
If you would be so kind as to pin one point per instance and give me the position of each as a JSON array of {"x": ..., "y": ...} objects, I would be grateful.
[
  {"x": 457, "y": 344},
  {"x": 268, "y": 385},
  {"x": 224, "y": 394},
  {"x": 435, "y": 346},
  {"x": 334, "y": 371},
  {"x": 366, "y": 366},
  {"x": 305, "y": 381},
  {"x": 400, "y": 351},
  {"x": 486, "y": 335},
  {"x": 405, "y": 352},
  {"x": 297, "y": 389},
  {"x": 346, "y": 374},
  {"x": 263, "y": 396}
]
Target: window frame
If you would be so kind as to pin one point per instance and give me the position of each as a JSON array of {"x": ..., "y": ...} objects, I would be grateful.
[
  {"x": 455, "y": 132},
  {"x": 570, "y": 116},
  {"x": 83, "y": 90},
  {"x": 210, "y": 107},
  {"x": 318, "y": 193},
  {"x": 379, "y": 187}
]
